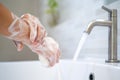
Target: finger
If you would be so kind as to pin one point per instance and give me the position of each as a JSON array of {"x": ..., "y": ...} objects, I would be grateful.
[
  {"x": 58, "y": 55},
  {"x": 33, "y": 31},
  {"x": 32, "y": 25},
  {"x": 41, "y": 34},
  {"x": 19, "y": 45},
  {"x": 52, "y": 58},
  {"x": 37, "y": 39}
]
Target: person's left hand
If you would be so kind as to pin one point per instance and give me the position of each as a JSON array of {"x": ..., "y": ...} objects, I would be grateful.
[{"x": 36, "y": 31}]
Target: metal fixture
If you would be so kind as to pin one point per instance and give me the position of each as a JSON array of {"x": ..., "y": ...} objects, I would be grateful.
[{"x": 111, "y": 23}]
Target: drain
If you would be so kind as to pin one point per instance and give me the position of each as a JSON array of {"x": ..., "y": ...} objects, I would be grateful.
[{"x": 91, "y": 76}]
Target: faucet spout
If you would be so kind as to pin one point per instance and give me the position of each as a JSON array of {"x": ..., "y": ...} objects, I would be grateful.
[{"x": 104, "y": 23}]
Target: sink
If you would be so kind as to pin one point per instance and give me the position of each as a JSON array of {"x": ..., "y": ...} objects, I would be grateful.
[{"x": 85, "y": 69}]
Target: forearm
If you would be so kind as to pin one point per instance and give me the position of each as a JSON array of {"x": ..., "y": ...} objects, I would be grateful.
[{"x": 5, "y": 20}]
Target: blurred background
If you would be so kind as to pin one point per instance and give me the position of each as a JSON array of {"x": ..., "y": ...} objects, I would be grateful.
[{"x": 65, "y": 21}]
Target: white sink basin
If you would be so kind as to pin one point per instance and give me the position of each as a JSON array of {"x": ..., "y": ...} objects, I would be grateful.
[{"x": 69, "y": 70}]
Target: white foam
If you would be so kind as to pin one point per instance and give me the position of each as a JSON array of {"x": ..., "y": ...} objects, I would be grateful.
[{"x": 43, "y": 60}]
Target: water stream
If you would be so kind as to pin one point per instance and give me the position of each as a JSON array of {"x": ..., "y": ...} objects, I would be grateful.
[{"x": 81, "y": 42}]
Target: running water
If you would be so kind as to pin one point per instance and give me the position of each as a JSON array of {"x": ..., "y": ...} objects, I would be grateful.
[
  {"x": 59, "y": 76},
  {"x": 81, "y": 42}
]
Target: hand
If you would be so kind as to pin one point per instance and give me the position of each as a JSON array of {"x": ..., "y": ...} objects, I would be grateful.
[
  {"x": 28, "y": 30},
  {"x": 49, "y": 49}
]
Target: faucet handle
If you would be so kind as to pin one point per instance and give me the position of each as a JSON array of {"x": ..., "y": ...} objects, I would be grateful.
[{"x": 106, "y": 9}]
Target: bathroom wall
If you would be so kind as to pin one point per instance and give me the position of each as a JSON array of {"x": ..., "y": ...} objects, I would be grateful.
[
  {"x": 74, "y": 16},
  {"x": 72, "y": 20},
  {"x": 109, "y": 1}
]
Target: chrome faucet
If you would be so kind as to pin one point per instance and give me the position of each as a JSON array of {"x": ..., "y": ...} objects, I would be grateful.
[{"x": 111, "y": 23}]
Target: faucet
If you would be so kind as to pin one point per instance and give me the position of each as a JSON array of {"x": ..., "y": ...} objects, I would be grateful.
[{"x": 111, "y": 23}]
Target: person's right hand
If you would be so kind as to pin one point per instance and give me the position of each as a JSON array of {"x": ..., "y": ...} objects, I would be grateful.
[{"x": 49, "y": 50}]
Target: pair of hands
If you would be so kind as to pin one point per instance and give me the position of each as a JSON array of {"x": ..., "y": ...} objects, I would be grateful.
[{"x": 29, "y": 31}]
